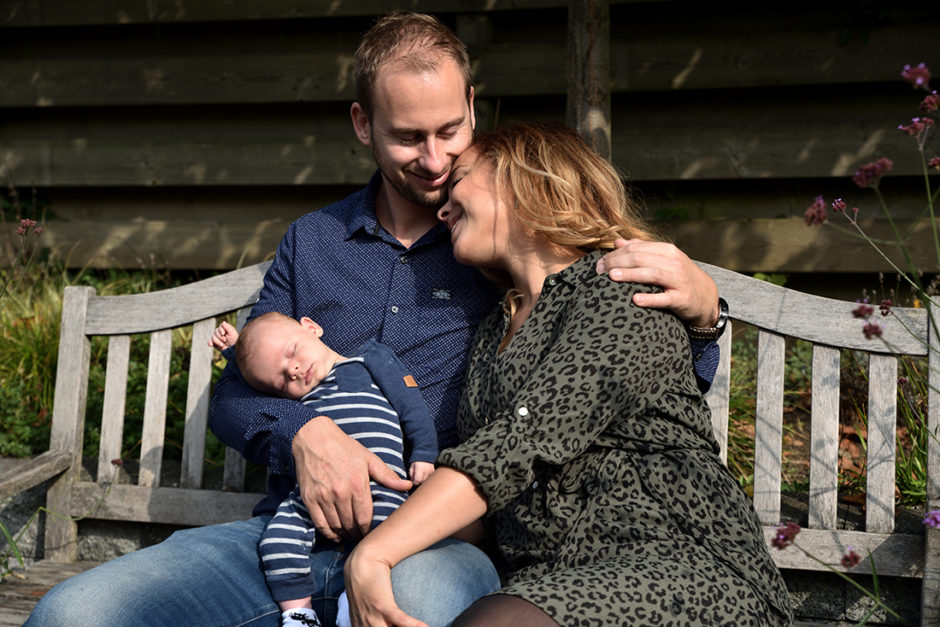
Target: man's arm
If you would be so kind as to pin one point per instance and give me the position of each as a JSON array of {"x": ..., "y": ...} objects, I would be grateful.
[
  {"x": 331, "y": 468},
  {"x": 687, "y": 290}
]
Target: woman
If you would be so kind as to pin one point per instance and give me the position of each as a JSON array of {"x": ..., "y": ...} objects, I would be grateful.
[{"x": 587, "y": 446}]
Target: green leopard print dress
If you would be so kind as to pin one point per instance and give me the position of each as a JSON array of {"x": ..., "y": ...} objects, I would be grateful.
[{"x": 607, "y": 499}]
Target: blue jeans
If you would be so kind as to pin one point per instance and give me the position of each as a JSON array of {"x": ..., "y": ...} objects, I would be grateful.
[{"x": 212, "y": 576}]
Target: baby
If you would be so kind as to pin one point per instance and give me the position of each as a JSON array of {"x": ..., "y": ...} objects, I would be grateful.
[{"x": 369, "y": 396}]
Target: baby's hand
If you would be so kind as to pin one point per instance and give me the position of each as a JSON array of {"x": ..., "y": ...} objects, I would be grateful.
[
  {"x": 420, "y": 471},
  {"x": 224, "y": 336}
]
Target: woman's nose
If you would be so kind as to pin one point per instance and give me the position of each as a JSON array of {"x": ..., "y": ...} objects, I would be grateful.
[{"x": 444, "y": 211}]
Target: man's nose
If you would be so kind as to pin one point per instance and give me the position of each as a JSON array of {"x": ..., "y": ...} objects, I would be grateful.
[{"x": 433, "y": 156}]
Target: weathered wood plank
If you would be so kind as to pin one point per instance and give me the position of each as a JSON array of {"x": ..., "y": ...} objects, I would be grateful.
[
  {"x": 276, "y": 64},
  {"x": 822, "y": 320},
  {"x": 15, "y": 13},
  {"x": 197, "y": 404},
  {"x": 41, "y": 468},
  {"x": 158, "y": 378},
  {"x": 895, "y": 555},
  {"x": 880, "y": 449},
  {"x": 930, "y": 598},
  {"x": 768, "y": 428},
  {"x": 588, "y": 72},
  {"x": 756, "y": 135},
  {"x": 718, "y": 394},
  {"x": 140, "y": 313},
  {"x": 178, "y": 506},
  {"x": 68, "y": 419},
  {"x": 20, "y": 592},
  {"x": 233, "y": 472},
  {"x": 824, "y": 439},
  {"x": 744, "y": 245},
  {"x": 115, "y": 394}
]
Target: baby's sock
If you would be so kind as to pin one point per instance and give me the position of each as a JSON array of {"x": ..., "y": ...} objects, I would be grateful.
[{"x": 299, "y": 617}]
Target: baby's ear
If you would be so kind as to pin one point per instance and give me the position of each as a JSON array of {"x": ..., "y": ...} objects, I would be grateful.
[{"x": 310, "y": 325}]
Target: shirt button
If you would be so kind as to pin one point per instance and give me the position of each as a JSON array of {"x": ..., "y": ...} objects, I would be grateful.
[
  {"x": 552, "y": 280},
  {"x": 394, "y": 308},
  {"x": 522, "y": 411},
  {"x": 403, "y": 259},
  {"x": 535, "y": 485}
]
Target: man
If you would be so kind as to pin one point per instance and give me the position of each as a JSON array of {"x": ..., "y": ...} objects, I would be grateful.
[{"x": 376, "y": 265}]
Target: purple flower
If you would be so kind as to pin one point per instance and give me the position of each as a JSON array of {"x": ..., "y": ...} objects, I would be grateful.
[
  {"x": 934, "y": 163},
  {"x": 838, "y": 205},
  {"x": 931, "y": 102},
  {"x": 917, "y": 76},
  {"x": 785, "y": 535},
  {"x": 851, "y": 558},
  {"x": 917, "y": 127},
  {"x": 872, "y": 329},
  {"x": 933, "y": 519},
  {"x": 816, "y": 213},
  {"x": 869, "y": 174},
  {"x": 864, "y": 310},
  {"x": 885, "y": 306}
]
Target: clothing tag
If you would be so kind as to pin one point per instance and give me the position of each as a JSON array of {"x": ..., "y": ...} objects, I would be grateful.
[
  {"x": 410, "y": 381},
  {"x": 440, "y": 293}
]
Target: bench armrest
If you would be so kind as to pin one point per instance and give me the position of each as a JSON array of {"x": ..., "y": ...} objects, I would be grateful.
[{"x": 33, "y": 472}]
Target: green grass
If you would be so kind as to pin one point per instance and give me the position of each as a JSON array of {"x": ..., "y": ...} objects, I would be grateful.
[{"x": 29, "y": 333}]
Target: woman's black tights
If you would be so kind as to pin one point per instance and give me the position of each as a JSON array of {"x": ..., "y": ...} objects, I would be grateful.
[{"x": 502, "y": 610}]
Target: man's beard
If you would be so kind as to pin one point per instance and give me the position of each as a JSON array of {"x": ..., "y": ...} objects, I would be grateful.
[{"x": 397, "y": 178}]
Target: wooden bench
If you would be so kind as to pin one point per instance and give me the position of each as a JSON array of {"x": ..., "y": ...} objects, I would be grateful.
[{"x": 777, "y": 312}]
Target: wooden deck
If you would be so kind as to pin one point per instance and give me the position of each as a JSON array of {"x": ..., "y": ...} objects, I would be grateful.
[{"x": 21, "y": 591}]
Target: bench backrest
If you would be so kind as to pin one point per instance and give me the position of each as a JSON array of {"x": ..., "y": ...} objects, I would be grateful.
[
  {"x": 777, "y": 313},
  {"x": 829, "y": 325},
  {"x": 84, "y": 315}
]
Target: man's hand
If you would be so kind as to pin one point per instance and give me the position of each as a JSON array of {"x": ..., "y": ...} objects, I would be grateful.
[
  {"x": 687, "y": 289},
  {"x": 333, "y": 472}
]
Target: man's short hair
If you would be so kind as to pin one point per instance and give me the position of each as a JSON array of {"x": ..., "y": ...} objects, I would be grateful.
[{"x": 416, "y": 40}]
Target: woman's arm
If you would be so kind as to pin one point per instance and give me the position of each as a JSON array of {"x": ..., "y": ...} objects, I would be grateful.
[{"x": 444, "y": 504}]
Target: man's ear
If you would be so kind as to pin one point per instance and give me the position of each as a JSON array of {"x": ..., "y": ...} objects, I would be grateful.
[
  {"x": 473, "y": 118},
  {"x": 310, "y": 325},
  {"x": 360, "y": 120}
]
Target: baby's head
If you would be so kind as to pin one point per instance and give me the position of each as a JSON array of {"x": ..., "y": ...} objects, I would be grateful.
[{"x": 279, "y": 355}]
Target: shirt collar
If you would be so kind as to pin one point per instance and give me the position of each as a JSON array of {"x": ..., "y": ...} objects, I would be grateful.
[{"x": 362, "y": 216}]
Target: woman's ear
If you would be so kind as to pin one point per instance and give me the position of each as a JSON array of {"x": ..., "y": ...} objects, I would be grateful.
[{"x": 360, "y": 121}]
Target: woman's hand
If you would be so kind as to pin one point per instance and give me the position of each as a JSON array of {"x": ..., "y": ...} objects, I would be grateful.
[{"x": 369, "y": 591}]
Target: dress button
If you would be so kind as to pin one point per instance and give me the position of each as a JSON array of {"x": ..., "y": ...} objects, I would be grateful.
[
  {"x": 552, "y": 280},
  {"x": 394, "y": 308},
  {"x": 403, "y": 259},
  {"x": 535, "y": 485},
  {"x": 522, "y": 411}
]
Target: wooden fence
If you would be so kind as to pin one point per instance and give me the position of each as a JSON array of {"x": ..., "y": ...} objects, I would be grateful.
[{"x": 189, "y": 133}]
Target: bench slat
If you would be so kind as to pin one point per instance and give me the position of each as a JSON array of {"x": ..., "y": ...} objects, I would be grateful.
[
  {"x": 718, "y": 394},
  {"x": 197, "y": 404},
  {"x": 824, "y": 439},
  {"x": 815, "y": 318},
  {"x": 68, "y": 420},
  {"x": 115, "y": 395},
  {"x": 158, "y": 379},
  {"x": 233, "y": 474},
  {"x": 882, "y": 424},
  {"x": 179, "y": 506},
  {"x": 768, "y": 437},
  {"x": 895, "y": 555},
  {"x": 177, "y": 306}
]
